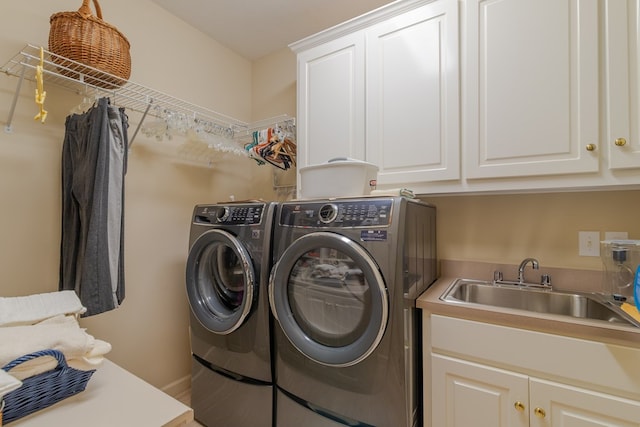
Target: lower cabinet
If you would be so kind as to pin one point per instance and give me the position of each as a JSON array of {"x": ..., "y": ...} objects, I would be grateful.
[
  {"x": 470, "y": 394},
  {"x": 485, "y": 375}
]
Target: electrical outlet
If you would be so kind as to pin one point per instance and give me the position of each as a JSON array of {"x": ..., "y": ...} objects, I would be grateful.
[
  {"x": 616, "y": 235},
  {"x": 589, "y": 243}
]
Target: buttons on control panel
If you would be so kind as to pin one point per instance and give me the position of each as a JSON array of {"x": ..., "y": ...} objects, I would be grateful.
[
  {"x": 361, "y": 213},
  {"x": 244, "y": 215},
  {"x": 230, "y": 215}
]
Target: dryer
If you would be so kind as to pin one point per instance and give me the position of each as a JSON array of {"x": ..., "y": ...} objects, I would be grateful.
[
  {"x": 343, "y": 291},
  {"x": 230, "y": 324}
]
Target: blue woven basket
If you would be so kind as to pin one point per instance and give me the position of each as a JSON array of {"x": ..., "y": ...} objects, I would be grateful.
[{"x": 45, "y": 389}]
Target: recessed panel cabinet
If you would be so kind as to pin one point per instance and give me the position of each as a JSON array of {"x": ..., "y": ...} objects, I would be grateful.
[
  {"x": 623, "y": 83},
  {"x": 468, "y": 394},
  {"x": 471, "y": 394},
  {"x": 412, "y": 90},
  {"x": 531, "y": 87},
  {"x": 330, "y": 100},
  {"x": 449, "y": 96},
  {"x": 484, "y": 375},
  {"x": 384, "y": 88}
]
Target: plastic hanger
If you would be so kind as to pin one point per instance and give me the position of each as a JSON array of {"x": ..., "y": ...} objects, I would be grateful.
[{"x": 86, "y": 103}]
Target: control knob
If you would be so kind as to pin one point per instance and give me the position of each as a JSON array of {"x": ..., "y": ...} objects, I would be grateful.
[
  {"x": 222, "y": 214},
  {"x": 328, "y": 213}
]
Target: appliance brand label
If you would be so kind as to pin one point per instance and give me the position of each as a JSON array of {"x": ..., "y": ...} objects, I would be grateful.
[{"x": 373, "y": 235}]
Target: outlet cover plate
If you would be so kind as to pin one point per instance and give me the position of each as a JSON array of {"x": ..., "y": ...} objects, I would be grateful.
[{"x": 589, "y": 243}]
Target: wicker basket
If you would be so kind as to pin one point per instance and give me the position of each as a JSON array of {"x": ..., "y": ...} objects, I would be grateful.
[
  {"x": 42, "y": 390},
  {"x": 87, "y": 39}
]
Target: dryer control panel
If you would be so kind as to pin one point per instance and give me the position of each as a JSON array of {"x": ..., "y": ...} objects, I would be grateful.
[
  {"x": 337, "y": 213},
  {"x": 229, "y": 214}
]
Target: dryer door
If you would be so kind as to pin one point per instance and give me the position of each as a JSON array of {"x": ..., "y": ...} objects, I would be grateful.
[
  {"x": 330, "y": 299},
  {"x": 220, "y": 281}
]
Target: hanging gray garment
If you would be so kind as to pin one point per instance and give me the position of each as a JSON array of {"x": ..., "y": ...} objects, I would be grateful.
[
  {"x": 115, "y": 208},
  {"x": 91, "y": 249}
]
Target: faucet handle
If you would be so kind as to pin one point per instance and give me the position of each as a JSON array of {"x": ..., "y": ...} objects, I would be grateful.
[
  {"x": 497, "y": 276},
  {"x": 545, "y": 280}
]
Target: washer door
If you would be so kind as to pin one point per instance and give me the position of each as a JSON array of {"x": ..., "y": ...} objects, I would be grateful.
[
  {"x": 330, "y": 299},
  {"x": 220, "y": 281}
]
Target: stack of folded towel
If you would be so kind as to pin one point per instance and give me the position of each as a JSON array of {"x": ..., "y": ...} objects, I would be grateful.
[
  {"x": 8, "y": 383},
  {"x": 46, "y": 321}
]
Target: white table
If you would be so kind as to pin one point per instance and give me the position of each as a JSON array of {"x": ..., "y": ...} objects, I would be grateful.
[{"x": 113, "y": 397}]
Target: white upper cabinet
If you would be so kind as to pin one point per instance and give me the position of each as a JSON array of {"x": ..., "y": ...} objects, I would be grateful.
[
  {"x": 623, "y": 83},
  {"x": 330, "y": 113},
  {"x": 450, "y": 96},
  {"x": 531, "y": 87},
  {"x": 412, "y": 92},
  {"x": 384, "y": 88}
]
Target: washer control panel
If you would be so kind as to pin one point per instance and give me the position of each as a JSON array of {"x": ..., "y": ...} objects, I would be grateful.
[
  {"x": 229, "y": 214},
  {"x": 337, "y": 213}
]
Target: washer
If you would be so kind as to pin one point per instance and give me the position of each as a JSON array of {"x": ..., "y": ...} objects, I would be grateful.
[
  {"x": 343, "y": 292},
  {"x": 230, "y": 326}
]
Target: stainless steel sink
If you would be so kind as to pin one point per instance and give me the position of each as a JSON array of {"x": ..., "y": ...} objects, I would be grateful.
[{"x": 579, "y": 305}]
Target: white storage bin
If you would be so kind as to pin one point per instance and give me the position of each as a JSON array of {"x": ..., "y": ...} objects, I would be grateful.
[{"x": 340, "y": 177}]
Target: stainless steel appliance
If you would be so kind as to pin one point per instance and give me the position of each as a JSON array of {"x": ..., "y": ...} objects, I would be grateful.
[
  {"x": 343, "y": 291},
  {"x": 226, "y": 277}
]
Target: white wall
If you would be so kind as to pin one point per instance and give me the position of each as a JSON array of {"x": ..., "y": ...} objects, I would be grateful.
[
  {"x": 149, "y": 333},
  {"x": 273, "y": 94}
]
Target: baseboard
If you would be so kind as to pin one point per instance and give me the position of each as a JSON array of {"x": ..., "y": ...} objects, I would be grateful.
[{"x": 178, "y": 387}]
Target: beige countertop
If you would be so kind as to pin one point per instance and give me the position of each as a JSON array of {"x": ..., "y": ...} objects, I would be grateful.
[
  {"x": 113, "y": 397},
  {"x": 555, "y": 324}
]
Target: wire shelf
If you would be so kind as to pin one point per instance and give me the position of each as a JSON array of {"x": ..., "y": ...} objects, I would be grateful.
[{"x": 80, "y": 78}]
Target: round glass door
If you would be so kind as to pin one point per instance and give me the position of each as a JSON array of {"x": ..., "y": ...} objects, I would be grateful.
[
  {"x": 220, "y": 281},
  {"x": 330, "y": 299}
]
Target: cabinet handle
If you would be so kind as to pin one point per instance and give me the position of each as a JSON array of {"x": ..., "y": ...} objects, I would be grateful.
[
  {"x": 591, "y": 147},
  {"x": 519, "y": 406},
  {"x": 620, "y": 142},
  {"x": 540, "y": 413}
]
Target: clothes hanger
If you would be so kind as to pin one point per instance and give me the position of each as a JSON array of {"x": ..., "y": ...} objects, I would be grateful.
[{"x": 86, "y": 103}]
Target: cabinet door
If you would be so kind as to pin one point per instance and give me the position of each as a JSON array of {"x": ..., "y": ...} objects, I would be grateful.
[
  {"x": 468, "y": 394},
  {"x": 531, "y": 87},
  {"x": 559, "y": 405},
  {"x": 331, "y": 100},
  {"x": 413, "y": 95},
  {"x": 623, "y": 83}
]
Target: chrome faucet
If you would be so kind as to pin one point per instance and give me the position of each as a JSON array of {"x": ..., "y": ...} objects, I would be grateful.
[
  {"x": 523, "y": 264},
  {"x": 545, "y": 279}
]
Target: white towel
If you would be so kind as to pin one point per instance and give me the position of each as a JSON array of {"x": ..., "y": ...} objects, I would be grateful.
[
  {"x": 8, "y": 383},
  {"x": 90, "y": 361},
  {"x": 31, "y": 309},
  {"x": 63, "y": 334}
]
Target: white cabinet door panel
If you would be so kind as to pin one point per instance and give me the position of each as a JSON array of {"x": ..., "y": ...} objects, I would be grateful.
[
  {"x": 623, "y": 83},
  {"x": 468, "y": 394},
  {"x": 531, "y": 104},
  {"x": 331, "y": 101},
  {"x": 565, "y": 406},
  {"x": 413, "y": 95}
]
